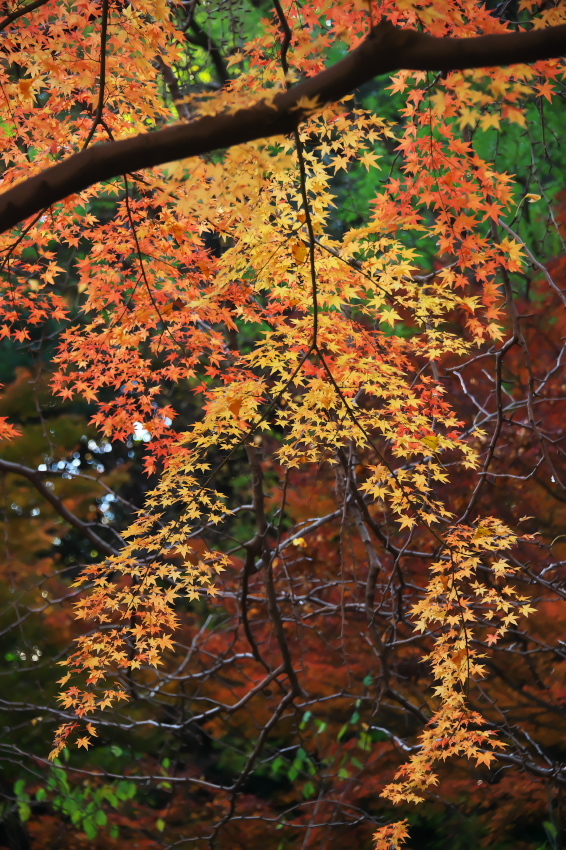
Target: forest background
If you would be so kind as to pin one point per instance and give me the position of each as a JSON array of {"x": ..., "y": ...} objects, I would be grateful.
[{"x": 295, "y": 413}]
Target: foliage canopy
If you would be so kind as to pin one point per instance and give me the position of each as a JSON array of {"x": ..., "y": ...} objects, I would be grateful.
[{"x": 282, "y": 431}]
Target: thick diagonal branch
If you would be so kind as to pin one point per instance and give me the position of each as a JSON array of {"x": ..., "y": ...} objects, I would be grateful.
[{"x": 385, "y": 50}]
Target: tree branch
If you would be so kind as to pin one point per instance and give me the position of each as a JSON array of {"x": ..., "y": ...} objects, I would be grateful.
[
  {"x": 19, "y": 13},
  {"x": 385, "y": 50},
  {"x": 201, "y": 39},
  {"x": 35, "y": 477}
]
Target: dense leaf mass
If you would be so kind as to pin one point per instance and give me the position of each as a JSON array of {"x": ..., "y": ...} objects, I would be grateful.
[{"x": 282, "y": 432}]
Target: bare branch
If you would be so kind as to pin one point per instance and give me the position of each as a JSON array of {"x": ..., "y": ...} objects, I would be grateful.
[
  {"x": 19, "y": 13},
  {"x": 35, "y": 478}
]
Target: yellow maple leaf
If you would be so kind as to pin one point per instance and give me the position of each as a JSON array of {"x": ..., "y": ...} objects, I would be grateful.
[
  {"x": 235, "y": 58},
  {"x": 484, "y": 758},
  {"x": 299, "y": 252},
  {"x": 308, "y": 104}
]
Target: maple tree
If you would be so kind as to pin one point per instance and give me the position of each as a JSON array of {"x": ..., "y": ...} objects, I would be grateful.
[{"x": 339, "y": 578}]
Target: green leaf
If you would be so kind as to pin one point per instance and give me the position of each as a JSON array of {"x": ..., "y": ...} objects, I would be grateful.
[
  {"x": 378, "y": 735},
  {"x": 160, "y": 824},
  {"x": 293, "y": 772},
  {"x": 126, "y": 790},
  {"x": 90, "y": 828},
  {"x": 550, "y": 829},
  {"x": 69, "y": 806},
  {"x": 309, "y": 790},
  {"x": 24, "y": 811},
  {"x": 101, "y": 818},
  {"x": 279, "y": 764},
  {"x": 19, "y": 787}
]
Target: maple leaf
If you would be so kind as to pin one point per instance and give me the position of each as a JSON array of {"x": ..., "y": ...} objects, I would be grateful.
[
  {"x": 308, "y": 104},
  {"x": 300, "y": 252},
  {"x": 235, "y": 58},
  {"x": 484, "y": 758},
  {"x": 26, "y": 88},
  {"x": 369, "y": 159}
]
